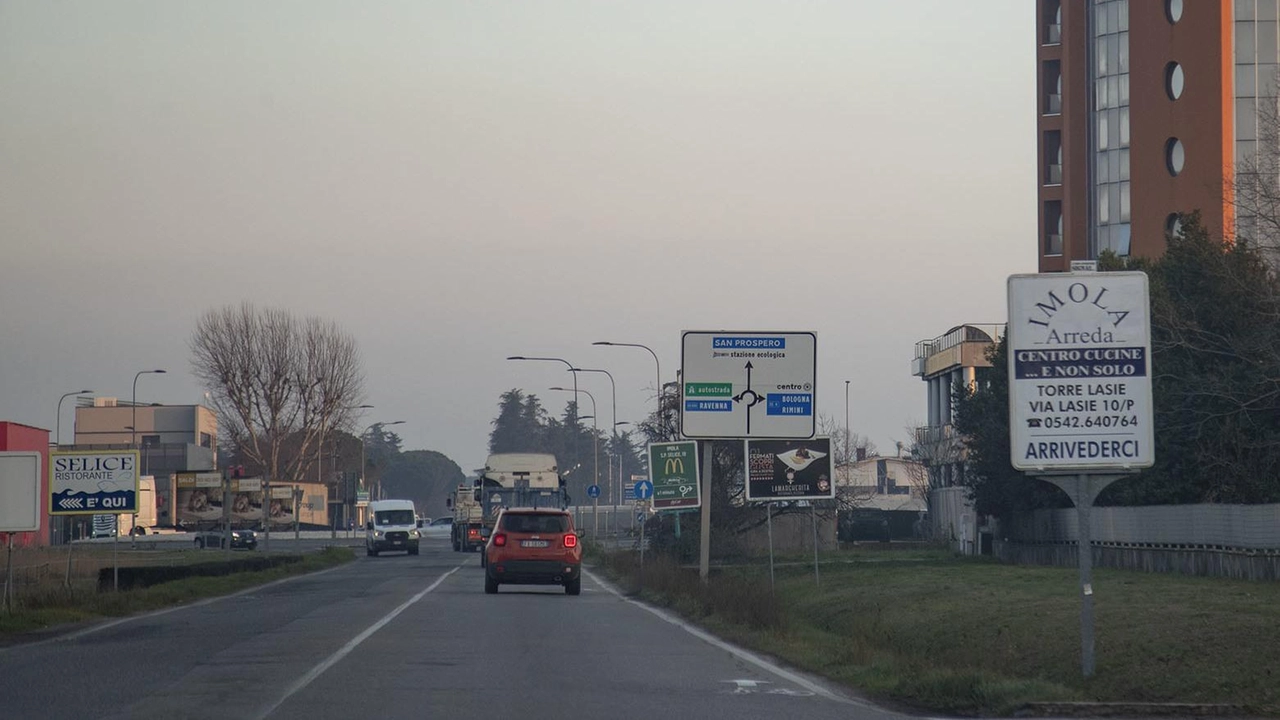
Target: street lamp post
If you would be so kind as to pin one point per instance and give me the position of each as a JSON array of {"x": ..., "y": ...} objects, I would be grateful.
[
  {"x": 656, "y": 364},
  {"x": 595, "y": 429},
  {"x": 848, "y": 451},
  {"x": 364, "y": 434},
  {"x": 133, "y": 439},
  {"x": 58, "y": 436},
  {"x": 319, "y": 471},
  {"x": 613, "y": 428},
  {"x": 570, "y": 365}
]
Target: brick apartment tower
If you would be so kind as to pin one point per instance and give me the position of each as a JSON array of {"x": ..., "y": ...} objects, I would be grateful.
[{"x": 1145, "y": 107}]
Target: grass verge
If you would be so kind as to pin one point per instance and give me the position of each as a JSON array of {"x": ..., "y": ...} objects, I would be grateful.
[
  {"x": 968, "y": 636},
  {"x": 43, "y": 611}
]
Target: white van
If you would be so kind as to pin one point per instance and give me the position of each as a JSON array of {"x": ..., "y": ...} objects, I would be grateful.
[{"x": 392, "y": 525}]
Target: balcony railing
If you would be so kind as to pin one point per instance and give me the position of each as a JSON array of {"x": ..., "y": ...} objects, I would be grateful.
[
  {"x": 1052, "y": 34},
  {"x": 965, "y": 333},
  {"x": 1053, "y": 104},
  {"x": 1053, "y": 175},
  {"x": 1052, "y": 244}
]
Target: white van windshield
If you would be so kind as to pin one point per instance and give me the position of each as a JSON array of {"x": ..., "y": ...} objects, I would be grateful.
[{"x": 394, "y": 517}]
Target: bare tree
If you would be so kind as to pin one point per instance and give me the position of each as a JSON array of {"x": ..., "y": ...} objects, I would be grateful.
[
  {"x": 277, "y": 382},
  {"x": 1252, "y": 183},
  {"x": 847, "y": 448}
]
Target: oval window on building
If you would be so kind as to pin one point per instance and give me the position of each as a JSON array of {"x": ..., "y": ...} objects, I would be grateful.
[
  {"x": 1173, "y": 225},
  {"x": 1173, "y": 80},
  {"x": 1173, "y": 9},
  {"x": 1174, "y": 156}
]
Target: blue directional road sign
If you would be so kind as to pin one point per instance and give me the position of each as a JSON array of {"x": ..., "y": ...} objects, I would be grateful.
[
  {"x": 593, "y": 491},
  {"x": 644, "y": 490}
]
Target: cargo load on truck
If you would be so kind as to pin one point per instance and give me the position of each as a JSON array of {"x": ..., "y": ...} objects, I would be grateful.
[
  {"x": 530, "y": 480},
  {"x": 468, "y": 516}
]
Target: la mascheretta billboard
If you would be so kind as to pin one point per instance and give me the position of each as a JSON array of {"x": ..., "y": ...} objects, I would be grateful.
[
  {"x": 1080, "y": 373},
  {"x": 102, "y": 483}
]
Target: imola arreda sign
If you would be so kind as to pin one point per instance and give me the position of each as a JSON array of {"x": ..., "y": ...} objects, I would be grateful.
[{"x": 1080, "y": 372}]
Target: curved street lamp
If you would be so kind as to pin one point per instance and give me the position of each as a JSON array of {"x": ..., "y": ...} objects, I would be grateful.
[
  {"x": 133, "y": 439},
  {"x": 595, "y": 429},
  {"x": 575, "y": 388},
  {"x": 58, "y": 436},
  {"x": 365, "y": 434},
  {"x": 656, "y": 364}
]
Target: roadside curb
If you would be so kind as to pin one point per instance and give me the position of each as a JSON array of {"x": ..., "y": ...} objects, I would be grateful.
[{"x": 1130, "y": 709}]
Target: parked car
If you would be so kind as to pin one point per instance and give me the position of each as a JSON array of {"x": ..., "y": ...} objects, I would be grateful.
[
  {"x": 533, "y": 547},
  {"x": 245, "y": 539}
]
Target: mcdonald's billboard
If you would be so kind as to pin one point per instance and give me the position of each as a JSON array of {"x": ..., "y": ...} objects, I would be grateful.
[{"x": 673, "y": 470}]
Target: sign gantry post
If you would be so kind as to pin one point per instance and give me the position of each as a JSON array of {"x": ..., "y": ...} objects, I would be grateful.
[
  {"x": 737, "y": 385},
  {"x": 795, "y": 470},
  {"x": 19, "y": 505},
  {"x": 95, "y": 483},
  {"x": 1080, "y": 409}
]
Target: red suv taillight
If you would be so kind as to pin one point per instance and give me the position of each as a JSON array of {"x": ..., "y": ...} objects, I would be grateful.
[
  {"x": 570, "y": 540},
  {"x": 500, "y": 540}
]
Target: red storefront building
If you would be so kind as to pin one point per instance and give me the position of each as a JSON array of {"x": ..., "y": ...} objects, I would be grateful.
[{"x": 16, "y": 437}]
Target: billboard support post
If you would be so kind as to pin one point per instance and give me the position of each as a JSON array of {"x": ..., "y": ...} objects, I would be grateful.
[
  {"x": 8, "y": 576},
  {"x": 226, "y": 518},
  {"x": 813, "y": 516},
  {"x": 115, "y": 557},
  {"x": 704, "y": 542},
  {"x": 1083, "y": 489},
  {"x": 768, "y": 521},
  {"x": 1084, "y": 549},
  {"x": 1080, "y": 397}
]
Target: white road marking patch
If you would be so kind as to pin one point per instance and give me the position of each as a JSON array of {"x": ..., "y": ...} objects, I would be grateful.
[
  {"x": 737, "y": 652},
  {"x": 754, "y": 687},
  {"x": 352, "y": 644}
]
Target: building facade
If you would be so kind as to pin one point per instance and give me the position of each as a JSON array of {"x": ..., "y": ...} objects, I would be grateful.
[
  {"x": 1149, "y": 109},
  {"x": 950, "y": 362},
  {"x": 108, "y": 421}
]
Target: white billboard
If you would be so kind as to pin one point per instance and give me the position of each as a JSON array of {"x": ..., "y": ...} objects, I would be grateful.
[
  {"x": 748, "y": 384},
  {"x": 19, "y": 491},
  {"x": 1080, "y": 373}
]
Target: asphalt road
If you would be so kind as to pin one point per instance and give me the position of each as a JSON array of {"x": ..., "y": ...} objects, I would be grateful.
[{"x": 406, "y": 637}]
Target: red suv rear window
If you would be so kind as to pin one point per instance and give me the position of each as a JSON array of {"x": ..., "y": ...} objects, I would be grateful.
[{"x": 535, "y": 523}]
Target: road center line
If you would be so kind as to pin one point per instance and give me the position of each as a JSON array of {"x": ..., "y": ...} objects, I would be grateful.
[
  {"x": 352, "y": 644},
  {"x": 736, "y": 651}
]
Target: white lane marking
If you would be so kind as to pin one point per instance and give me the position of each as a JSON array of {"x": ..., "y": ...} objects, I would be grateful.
[
  {"x": 165, "y": 611},
  {"x": 738, "y": 652},
  {"x": 352, "y": 644}
]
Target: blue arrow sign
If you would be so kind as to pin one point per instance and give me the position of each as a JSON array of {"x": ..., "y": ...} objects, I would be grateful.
[
  {"x": 644, "y": 490},
  {"x": 593, "y": 491}
]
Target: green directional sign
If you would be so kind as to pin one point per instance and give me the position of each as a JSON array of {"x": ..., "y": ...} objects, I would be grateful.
[
  {"x": 673, "y": 469},
  {"x": 708, "y": 389}
]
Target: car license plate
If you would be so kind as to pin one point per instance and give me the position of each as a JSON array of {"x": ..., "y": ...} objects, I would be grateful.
[{"x": 534, "y": 543}]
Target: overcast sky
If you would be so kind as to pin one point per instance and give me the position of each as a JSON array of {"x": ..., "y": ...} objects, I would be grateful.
[{"x": 456, "y": 182}]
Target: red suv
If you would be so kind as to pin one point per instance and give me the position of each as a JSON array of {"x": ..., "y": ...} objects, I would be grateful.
[{"x": 533, "y": 547}]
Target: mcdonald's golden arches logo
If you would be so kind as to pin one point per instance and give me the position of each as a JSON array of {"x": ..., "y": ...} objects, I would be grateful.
[{"x": 673, "y": 466}]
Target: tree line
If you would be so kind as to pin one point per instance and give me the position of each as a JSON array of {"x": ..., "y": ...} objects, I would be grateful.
[{"x": 1215, "y": 346}]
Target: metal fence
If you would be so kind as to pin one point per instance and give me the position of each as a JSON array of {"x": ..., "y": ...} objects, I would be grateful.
[
  {"x": 1246, "y": 527},
  {"x": 1235, "y": 541}
]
